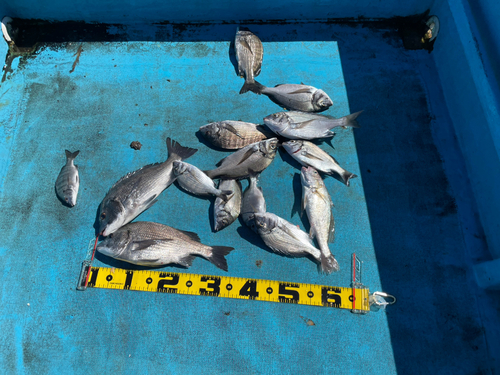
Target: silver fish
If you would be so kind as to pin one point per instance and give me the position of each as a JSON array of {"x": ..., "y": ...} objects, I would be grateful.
[
  {"x": 138, "y": 190},
  {"x": 196, "y": 182},
  {"x": 152, "y": 244},
  {"x": 253, "y": 201},
  {"x": 233, "y": 135},
  {"x": 68, "y": 180},
  {"x": 303, "y": 125},
  {"x": 249, "y": 160},
  {"x": 295, "y": 97},
  {"x": 308, "y": 154},
  {"x": 249, "y": 54},
  {"x": 225, "y": 213},
  {"x": 316, "y": 202},
  {"x": 286, "y": 238}
]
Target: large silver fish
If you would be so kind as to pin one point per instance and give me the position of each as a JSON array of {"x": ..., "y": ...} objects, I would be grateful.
[
  {"x": 249, "y": 160},
  {"x": 249, "y": 53},
  {"x": 226, "y": 212},
  {"x": 316, "y": 202},
  {"x": 295, "y": 97},
  {"x": 253, "y": 201},
  {"x": 68, "y": 180},
  {"x": 308, "y": 154},
  {"x": 303, "y": 125},
  {"x": 152, "y": 244},
  {"x": 233, "y": 135},
  {"x": 287, "y": 239},
  {"x": 138, "y": 190},
  {"x": 193, "y": 180}
]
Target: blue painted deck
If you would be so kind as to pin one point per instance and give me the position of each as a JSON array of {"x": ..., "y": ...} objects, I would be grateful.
[{"x": 400, "y": 216}]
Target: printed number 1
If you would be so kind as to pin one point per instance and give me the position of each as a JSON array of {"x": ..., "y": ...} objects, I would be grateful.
[{"x": 249, "y": 289}]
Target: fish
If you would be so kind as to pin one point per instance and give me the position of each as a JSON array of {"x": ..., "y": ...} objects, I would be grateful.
[
  {"x": 303, "y": 125},
  {"x": 249, "y": 160},
  {"x": 295, "y": 97},
  {"x": 233, "y": 135},
  {"x": 137, "y": 191},
  {"x": 193, "y": 180},
  {"x": 287, "y": 239},
  {"x": 308, "y": 154},
  {"x": 152, "y": 244},
  {"x": 249, "y": 54},
  {"x": 68, "y": 180},
  {"x": 226, "y": 212},
  {"x": 253, "y": 201},
  {"x": 317, "y": 204}
]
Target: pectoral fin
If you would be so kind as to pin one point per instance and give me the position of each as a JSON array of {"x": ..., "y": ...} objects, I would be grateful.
[
  {"x": 310, "y": 156},
  {"x": 246, "y": 45},
  {"x": 141, "y": 245},
  {"x": 248, "y": 154},
  {"x": 300, "y": 91},
  {"x": 233, "y": 130},
  {"x": 303, "y": 124}
]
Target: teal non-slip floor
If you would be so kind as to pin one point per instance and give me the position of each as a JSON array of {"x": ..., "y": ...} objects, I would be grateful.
[{"x": 399, "y": 216}]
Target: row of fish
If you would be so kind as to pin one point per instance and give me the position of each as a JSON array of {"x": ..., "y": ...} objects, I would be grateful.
[{"x": 154, "y": 244}]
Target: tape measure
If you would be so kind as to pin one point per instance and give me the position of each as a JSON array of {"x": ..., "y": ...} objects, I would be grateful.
[{"x": 354, "y": 299}]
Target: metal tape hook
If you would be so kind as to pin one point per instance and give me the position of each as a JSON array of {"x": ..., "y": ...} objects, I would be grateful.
[{"x": 378, "y": 300}]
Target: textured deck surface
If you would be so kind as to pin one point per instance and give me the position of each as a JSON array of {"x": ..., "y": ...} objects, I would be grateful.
[{"x": 399, "y": 216}]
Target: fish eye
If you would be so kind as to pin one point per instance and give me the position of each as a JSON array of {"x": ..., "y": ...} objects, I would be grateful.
[{"x": 103, "y": 216}]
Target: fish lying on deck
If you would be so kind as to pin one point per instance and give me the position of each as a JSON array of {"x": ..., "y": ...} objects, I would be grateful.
[
  {"x": 68, "y": 180},
  {"x": 249, "y": 54}
]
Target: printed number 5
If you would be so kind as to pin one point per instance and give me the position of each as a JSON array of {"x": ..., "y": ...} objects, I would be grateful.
[{"x": 290, "y": 295}]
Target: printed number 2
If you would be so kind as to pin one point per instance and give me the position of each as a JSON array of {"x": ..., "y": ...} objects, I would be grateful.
[
  {"x": 249, "y": 289},
  {"x": 214, "y": 285},
  {"x": 290, "y": 295}
]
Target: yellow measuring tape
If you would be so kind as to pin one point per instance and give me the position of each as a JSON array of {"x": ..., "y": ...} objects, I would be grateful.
[{"x": 228, "y": 287}]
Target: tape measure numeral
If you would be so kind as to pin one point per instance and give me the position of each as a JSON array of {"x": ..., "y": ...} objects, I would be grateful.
[
  {"x": 288, "y": 295},
  {"x": 331, "y": 300},
  {"x": 171, "y": 282},
  {"x": 213, "y": 283},
  {"x": 249, "y": 289}
]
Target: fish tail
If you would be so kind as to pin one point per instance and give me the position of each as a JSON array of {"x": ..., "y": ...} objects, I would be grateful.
[
  {"x": 328, "y": 264},
  {"x": 252, "y": 86},
  {"x": 350, "y": 120},
  {"x": 225, "y": 195},
  {"x": 211, "y": 173},
  {"x": 218, "y": 256},
  {"x": 71, "y": 155},
  {"x": 346, "y": 176},
  {"x": 174, "y": 148}
]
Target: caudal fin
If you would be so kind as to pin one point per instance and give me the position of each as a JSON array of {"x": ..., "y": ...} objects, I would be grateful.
[
  {"x": 225, "y": 195},
  {"x": 252, "y": 86},
  {"x": 211, "y": 173},
  {"x": 350, "y": 120},
  {"x": 346, "y": 177},
  {"x": 218, "y": 256},
  {"x": 71, "y": 155},
  {"x": 328, "y": 264},
  {"x": 174, "y": 148}
]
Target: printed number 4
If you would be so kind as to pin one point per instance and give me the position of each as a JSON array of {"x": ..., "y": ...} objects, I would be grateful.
[{"x": 249, "y": 289}]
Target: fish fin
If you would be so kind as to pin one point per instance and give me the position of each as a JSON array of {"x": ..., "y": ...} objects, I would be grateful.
[
  {"x": 303, "y": 205},
  {"x": 148, "y": 262},
  {"x": 150, "y": 202},
  {"x": 246, "y": 45},
  {"x": 71, "y": 155},
  {"x": 218, "y": 256},
  {"x": 174, "y": 148},
  {"x": 193, "y": 236},
  {"x": 310, "y": 156},
  {"x": 252, "y": 86},
  {"x": 311, "y": 232},
  {"x": 331, "y": 230},
  {"x": 300, "y": 91},
  {"x": 225, "y": 195},
  {"x": 211, "y": 173},
  {"x": 300, "y": 125},
  {"x": 233, "y": 130},
  {"x": 328, "y": 264},
  {"x": 346, "y": 177},
  {"x": 350, "y": 120},
  {"x": 187, "y": 261},
  {"x": 248, "y": 154},
  {"x": 141, "y": 245}
]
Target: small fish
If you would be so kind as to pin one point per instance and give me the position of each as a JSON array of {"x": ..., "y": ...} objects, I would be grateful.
[
  {"x": 152, "y": 244},
  {"x": 308, "y": 154},
  {"x": 249, "y": 54},
  {"x": 287, "y": 239},
  {"x": 68, "y": 181},
  {"x": 302, "y": 125},
  {"x": 233, "y": 135},
  {"x": 196, "y": 182},
  {"x": 249, "y": 160},
  {"x": 295, "y": 97},
  {"x": 138, "y": 190},
  {"x": 316, "y": 202},
  {"x": 225, "y": 213},
  {"x": 253, "y": 201}
]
